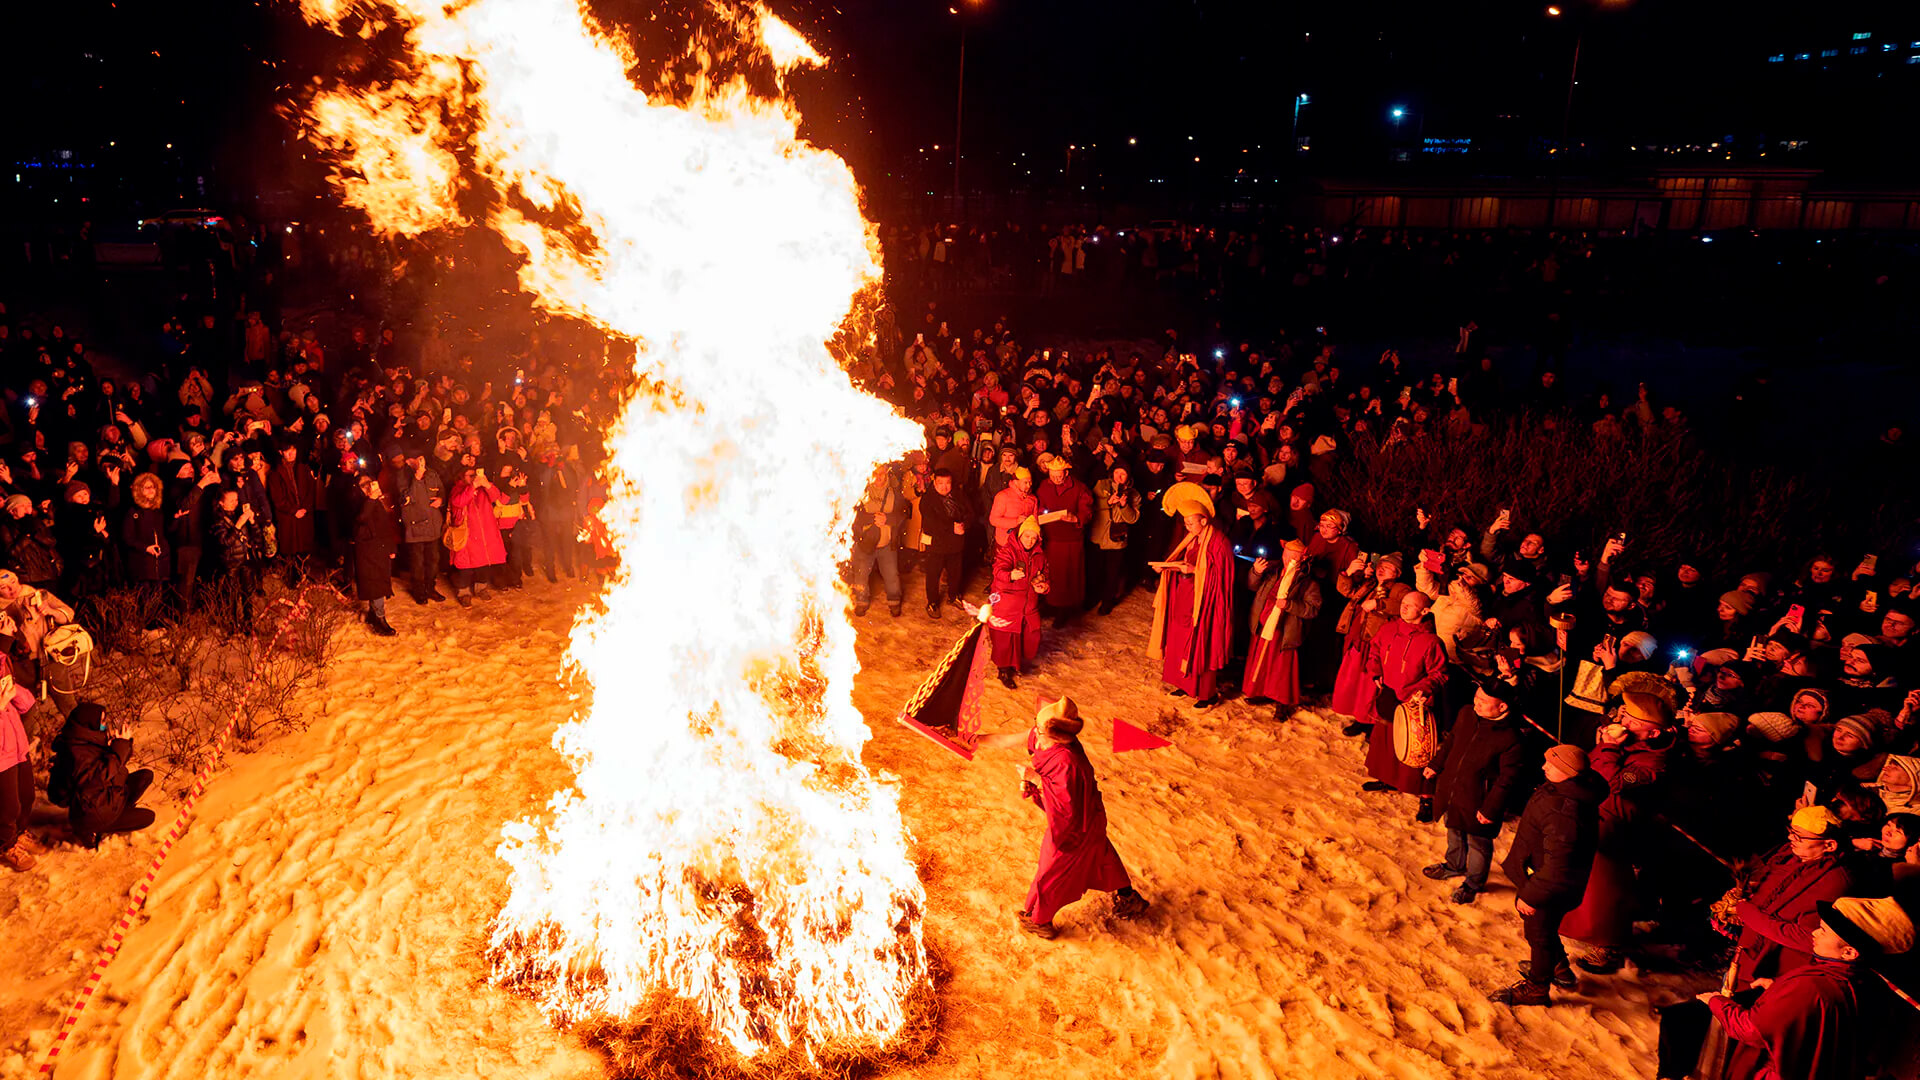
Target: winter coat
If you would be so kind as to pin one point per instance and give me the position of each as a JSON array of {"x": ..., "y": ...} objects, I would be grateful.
[
  {"x": 473, "y": 506},
  {"x": 1636, "y": 777},
  {"x": 1778, "y": 916},
  {"x": 13, "y": 729},
  {"x": 1408, "y": 658},
  {"x": 144, "y": 527},
  {"x": 1480, "y": 763},
  {"x": 240, "y": 544},
  {"x": 1111, "y": 524},
  {"x": 556, "y": 497},
  {"x": 32, "y": 551},
  {"x": 292, "y": 487},
  {"x": 89, "y": 775},
  {"x": 186, "y": 514},
  {"x": 375, "y": 540},
  {"x": 938, "y": 515},
  {"x": 1806, "y": 1026},
  {"x": 879, "y": 517},
  {"x": 420, "y": 520},
  {"x": 1554, "y": 842}
]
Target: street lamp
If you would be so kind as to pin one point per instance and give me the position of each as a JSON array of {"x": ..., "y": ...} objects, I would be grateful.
[
  {"x": 1398, "y": 113},
  {"x": 1299, "y": 100}
]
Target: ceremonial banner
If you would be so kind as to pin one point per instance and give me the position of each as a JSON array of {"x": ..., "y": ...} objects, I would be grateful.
[{"x": 946, "y": 708}]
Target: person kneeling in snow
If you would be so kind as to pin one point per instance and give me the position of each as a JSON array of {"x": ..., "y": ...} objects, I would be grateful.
[
  {"x": 1075, "y": 854},
  {"x": 90, "y": 777}
]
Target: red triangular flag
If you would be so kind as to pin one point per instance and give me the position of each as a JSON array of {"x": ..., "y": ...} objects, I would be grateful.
[{"x": 1127, "y": 737}]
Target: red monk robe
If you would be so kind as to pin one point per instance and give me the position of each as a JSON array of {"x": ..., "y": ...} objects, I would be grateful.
[
  {"x": 1193, "y": 611},
  {"x": 1013, "y": 615},
  {"x": 1066, "y": 538},
  {"x": 1075, "y": 854},
  {"x": 1408, "y": 659}
]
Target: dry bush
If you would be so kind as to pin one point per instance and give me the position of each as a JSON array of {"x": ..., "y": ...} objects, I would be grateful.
[{"x": 196, "y": 672}]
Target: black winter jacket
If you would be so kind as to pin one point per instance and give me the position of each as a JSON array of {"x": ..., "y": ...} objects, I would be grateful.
[
  {"x": 1479, "y": 765},
  {"x": 89, "y": 775},
  {"x": 1553, "y": 845}
]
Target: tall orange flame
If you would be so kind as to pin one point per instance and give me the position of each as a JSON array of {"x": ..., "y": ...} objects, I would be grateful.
[{"x": 722, "y": 842}]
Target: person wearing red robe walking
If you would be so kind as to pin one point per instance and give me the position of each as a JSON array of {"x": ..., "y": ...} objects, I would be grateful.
[
  {"x": 1283, "y": 609},
  {"x": 1066, "y": 507},
  {"x": 1192, "y": 633},
  {"x": 1075, "y": 855},
  {"x": 1020, "y": 579}
]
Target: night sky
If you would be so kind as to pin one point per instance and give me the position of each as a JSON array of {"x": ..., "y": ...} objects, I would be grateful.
[{"x": 1214, "y": 79}]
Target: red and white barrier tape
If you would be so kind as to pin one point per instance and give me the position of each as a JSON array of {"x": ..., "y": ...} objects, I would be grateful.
[{"x": 296, "y": 607}]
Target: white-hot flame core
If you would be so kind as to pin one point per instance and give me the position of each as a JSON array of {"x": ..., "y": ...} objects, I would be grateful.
[{"x": 723, "y": 841}]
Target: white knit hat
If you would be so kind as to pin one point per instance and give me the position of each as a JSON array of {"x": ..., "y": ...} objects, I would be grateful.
[{"x": 1774, "y": 726}]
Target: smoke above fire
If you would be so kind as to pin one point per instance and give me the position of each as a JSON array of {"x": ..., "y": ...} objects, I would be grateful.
[{"x": 721, "y": 843}]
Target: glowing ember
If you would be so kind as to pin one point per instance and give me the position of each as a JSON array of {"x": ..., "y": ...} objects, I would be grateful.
[{"x": 723, "y": 844}]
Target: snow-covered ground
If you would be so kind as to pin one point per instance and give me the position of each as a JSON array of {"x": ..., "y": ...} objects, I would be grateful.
[{"x": 324, "y": 915}]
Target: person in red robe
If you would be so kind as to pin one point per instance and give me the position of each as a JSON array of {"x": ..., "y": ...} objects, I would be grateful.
[
  {"x": 1065, "y": 536},
  {"x": 1075, "y": 855},
  {"x": 1814, "y": 1022},
  {"x": 1193, "y": 611},
  {"x": 1284, "y": 606},
  {"x": 1373, "y": 603},
  {"x": 1406, "y": 662},
  {"x": 1020, "y": 579}
]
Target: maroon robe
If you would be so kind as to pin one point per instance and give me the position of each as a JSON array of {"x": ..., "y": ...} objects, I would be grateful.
[
  {"x": 1066, "y": 543},
  {"x": 1353, "y": 690},
  {"x": 1014, "y": 617},
  {"x": 1806, "y": 1026},
  {"x": 1075, "y": 854},
  {"x": 1273, "y": 664},
  {"x": 1193, "y": 650},
  {"x": 1409, "y": 659}
]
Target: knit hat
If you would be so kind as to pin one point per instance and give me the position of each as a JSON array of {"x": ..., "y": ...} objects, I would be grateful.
[
  {"x": 19, "y": 504},
  {"x": 1720, "y": 725},
  {"x": 1568, "y": 758},
  {"x": 1479, "y": 572},
  {"x": 1816, "y": 819},
  {"x": 1741, "y": 603},
  {"x": 1641, "y": 642},
  {"x": 1816, "y": 694},
  {"x": 87, "y": 714},
  {"x": 1520, "y": 570},
  {"x": 1324, "y": 444},
  {"x": 1395, "y": 560},
  {"x": 1878, "y": 927},
  {"x": 1774, "y": 726},
  {"x": 1029, "y": 526},
  {"x": 1900, "y": 783},
  {"x": 1863, "y": 727},
  {"x": 75, "y": 489}
]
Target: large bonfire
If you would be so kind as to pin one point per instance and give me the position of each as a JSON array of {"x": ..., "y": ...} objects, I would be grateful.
[{"x": 723, "y": 846}]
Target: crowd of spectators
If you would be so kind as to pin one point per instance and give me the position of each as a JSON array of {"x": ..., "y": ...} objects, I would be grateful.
[
  {"x": 229, "y": 458},
  {"x": 1659, "y": 723},
  {"x": 1695, "y": 710}
]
